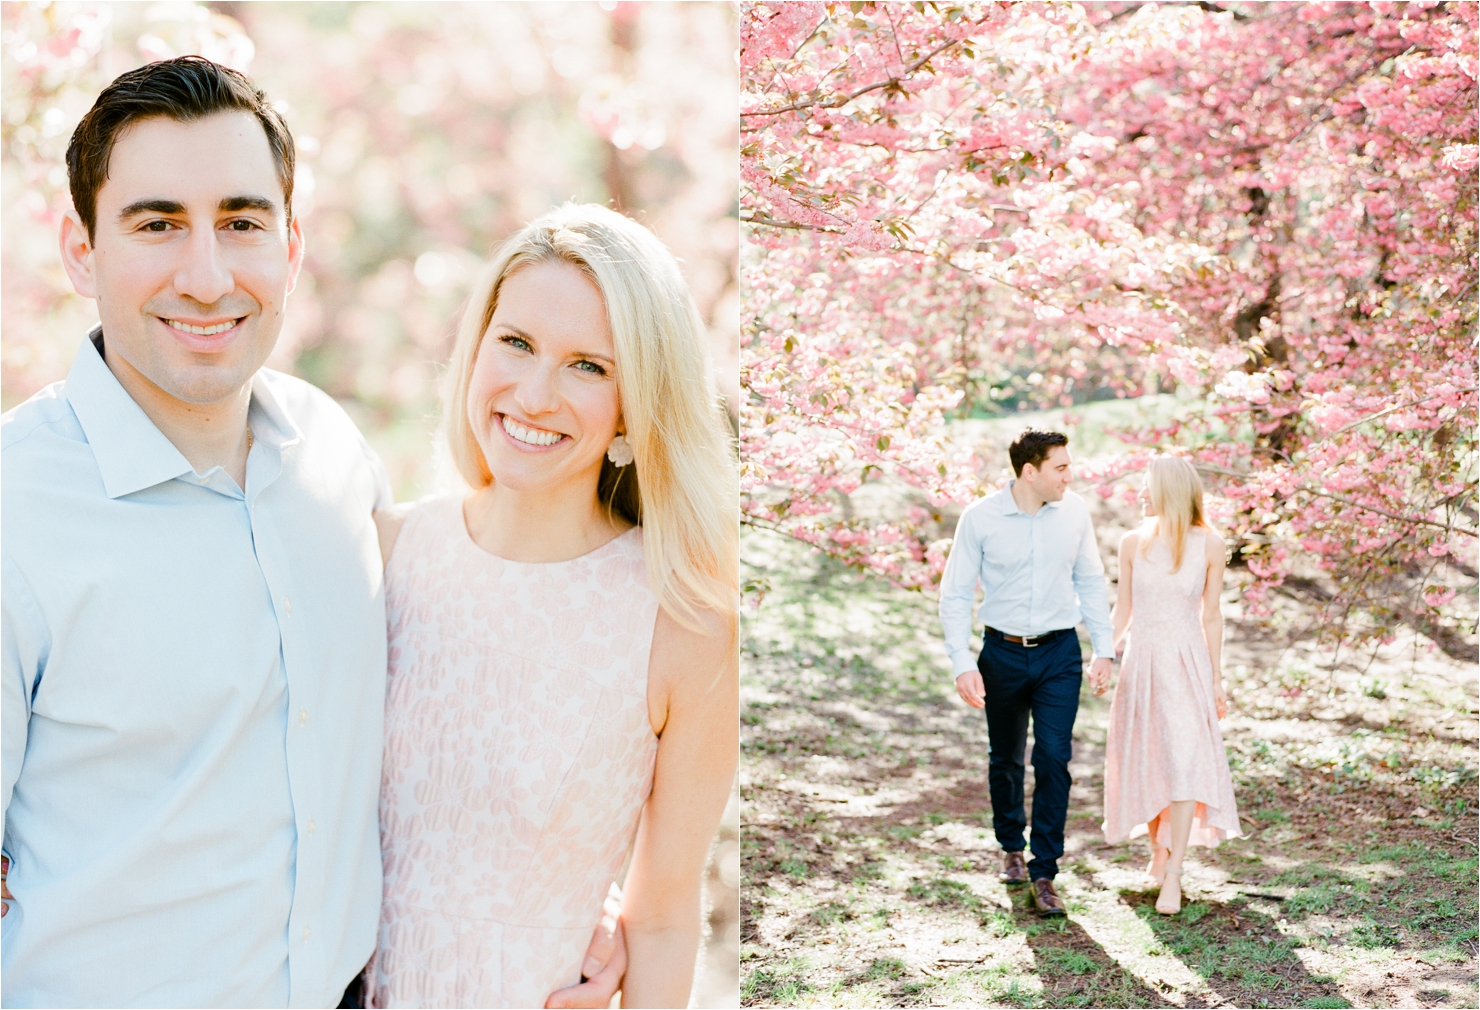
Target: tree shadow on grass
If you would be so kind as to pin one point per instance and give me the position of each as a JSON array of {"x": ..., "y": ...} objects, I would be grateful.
[
  {"x": 1240, "y": 952},
  {"x": 1076, "y": 971}
]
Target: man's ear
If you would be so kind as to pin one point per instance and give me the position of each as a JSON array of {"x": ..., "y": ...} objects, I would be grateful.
[
  {"x": 295, "y": 252},
  {"x": 77, "y": 255}
]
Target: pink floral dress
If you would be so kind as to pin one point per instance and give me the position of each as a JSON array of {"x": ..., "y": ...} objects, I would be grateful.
[
  {"x": 1164, "y": 743},
  {"x": 518, "y": 757}
]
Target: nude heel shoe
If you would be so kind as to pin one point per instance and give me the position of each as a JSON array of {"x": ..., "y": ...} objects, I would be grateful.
[{"x": 1169, "y": 901}]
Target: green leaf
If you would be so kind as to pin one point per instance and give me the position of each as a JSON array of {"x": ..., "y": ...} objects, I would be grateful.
[{"x": 882, "y": 443}]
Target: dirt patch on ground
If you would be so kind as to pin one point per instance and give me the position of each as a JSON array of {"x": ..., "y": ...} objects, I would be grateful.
[{"x": 869, "y": 869}]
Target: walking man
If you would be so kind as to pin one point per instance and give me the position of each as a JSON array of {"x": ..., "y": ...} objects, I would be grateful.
[{"x": 1032, "y": 550}]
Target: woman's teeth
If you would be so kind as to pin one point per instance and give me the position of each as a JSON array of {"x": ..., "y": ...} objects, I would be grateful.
[
  {"x": 203, "y": 331},
  {"x": 531, "y": 436}
]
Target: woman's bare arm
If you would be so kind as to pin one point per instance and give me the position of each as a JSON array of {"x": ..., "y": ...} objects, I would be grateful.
[
  {"x": 1120, "y": 617},
  {"x": 1212, "y": 617},
  {"x": 693, "y": 699}
]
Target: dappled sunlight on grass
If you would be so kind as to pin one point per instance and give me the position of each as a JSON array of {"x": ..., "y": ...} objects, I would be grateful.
[{"x": 870, "y": 865}]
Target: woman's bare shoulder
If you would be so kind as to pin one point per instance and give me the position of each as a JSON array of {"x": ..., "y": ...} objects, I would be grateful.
[
  {"x": 680, "y": 647},
  {"x": 1129, "y": 540},
  {"x": 690, "y": 662},
  {"x": 388, "y": 523}
]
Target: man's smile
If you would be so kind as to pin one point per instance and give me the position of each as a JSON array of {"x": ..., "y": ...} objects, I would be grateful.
[{"x": 203, "y": 329}]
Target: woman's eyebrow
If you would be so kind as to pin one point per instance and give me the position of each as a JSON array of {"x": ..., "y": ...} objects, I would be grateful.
[{"x": 574, "y": 354}]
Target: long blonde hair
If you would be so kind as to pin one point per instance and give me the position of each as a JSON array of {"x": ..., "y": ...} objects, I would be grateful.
[
  {"x": 1176, "y": 493},
  {"x": 683, "y": 488}
]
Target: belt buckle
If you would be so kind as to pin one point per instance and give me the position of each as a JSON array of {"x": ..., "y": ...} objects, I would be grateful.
[{"x": 1029, "y": 641}]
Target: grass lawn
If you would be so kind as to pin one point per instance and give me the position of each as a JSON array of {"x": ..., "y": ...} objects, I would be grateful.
[{"x": 869, "y": 868}]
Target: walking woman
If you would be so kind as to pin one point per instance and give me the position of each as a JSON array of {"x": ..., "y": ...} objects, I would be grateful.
[
  {"x": 563, "y": 669},
  {"x": 1166, "y": 774}
]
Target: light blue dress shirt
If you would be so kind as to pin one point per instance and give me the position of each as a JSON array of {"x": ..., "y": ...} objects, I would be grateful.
[
  {"x": 1038, "y": 573},
  {"x": 193, "y": 693}
]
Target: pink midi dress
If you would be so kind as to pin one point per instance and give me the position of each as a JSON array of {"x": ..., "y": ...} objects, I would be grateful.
[
  {"x": 1164, "y": 743},
  {"x": 518, "y": 757}
]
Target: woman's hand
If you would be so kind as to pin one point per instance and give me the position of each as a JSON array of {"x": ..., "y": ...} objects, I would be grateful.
[
  {"x": 606, "y": 961},
  {"x": 1220, "y": 699}
]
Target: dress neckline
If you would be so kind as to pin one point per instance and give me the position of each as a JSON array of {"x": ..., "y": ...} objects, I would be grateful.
[{"x": 459, "y": 517}]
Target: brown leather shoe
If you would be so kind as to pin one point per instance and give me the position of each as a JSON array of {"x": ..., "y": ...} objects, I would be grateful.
[
  {"x": 1046, "y": 899},
  {"x": 1014, "y": 870}
]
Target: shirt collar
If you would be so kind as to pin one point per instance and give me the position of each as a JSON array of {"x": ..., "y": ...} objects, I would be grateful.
[
  {"x": 1008, "y": 504},
  {"x": 272, "y": 426},
  {"x": 131, "y": 452}
]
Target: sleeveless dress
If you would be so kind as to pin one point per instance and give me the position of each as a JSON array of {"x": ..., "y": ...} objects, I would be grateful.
[
  {"x": 1164, "y": 743},
  {"x": 518, "y": 757}
]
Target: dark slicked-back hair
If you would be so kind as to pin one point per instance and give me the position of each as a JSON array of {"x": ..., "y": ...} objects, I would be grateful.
[
  {"x": 1033, "y": 447},
  {"x": 184, "y": 89}
]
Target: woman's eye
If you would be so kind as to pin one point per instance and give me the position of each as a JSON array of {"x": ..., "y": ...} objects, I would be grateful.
[
  {"x": 591, "y": 367},
  {"x": 516, "y": 342}
]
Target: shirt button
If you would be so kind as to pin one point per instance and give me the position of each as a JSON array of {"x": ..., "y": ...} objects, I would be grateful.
[
  {"x": 288, "y": 606},
  {"x": 310, "y": 825},
  {"x": 303, "y": 717},
  {"x": 305, "y": 933}
]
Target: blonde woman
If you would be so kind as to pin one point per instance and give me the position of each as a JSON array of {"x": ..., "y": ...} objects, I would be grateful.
[
  {"x": 1166, "y": 774},
  {"x": 563, "y": 667}
]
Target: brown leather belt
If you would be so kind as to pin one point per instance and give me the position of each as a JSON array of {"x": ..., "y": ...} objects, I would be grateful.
[{"x": 1030, "y": 641}]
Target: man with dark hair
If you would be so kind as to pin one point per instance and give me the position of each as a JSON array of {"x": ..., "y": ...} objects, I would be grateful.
[
  {"x": 193, "y": 658},
  {"x": 1031, "y": 549}
]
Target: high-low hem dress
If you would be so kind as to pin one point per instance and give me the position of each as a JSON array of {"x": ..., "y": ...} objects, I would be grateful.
[
  {"x": 518, "y": 758},
  {"x": 1164, "y": 744}
]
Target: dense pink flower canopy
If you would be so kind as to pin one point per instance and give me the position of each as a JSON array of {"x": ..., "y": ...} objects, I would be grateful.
[{"x": 1269, "y": 208}]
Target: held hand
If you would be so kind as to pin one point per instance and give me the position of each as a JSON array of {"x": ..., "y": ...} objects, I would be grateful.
[
  {"x": 1099, "y": 675},
  {"x": 4, "y": 887},
  {"x": 605, "y": 964},
  {"x": 969, "y": 686}
]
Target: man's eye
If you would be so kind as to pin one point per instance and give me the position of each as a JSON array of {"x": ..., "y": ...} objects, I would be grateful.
[
  {"x": 157, "y": 226},
  {"x": 242, "y": 226}
]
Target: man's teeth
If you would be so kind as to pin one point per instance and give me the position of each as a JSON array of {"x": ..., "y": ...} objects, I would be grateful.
[
  {"x": 203, "y": 331},
  {"x": 531, "y": 435}
]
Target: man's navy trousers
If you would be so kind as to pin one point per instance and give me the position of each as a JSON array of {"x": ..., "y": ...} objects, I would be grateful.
[{"x": 1041, "y": 680}]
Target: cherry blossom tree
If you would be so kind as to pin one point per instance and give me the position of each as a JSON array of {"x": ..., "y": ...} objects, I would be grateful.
[{"x": 1267, "y": 208}]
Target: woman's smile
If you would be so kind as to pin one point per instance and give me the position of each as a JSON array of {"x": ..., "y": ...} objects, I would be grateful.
[{"x": 527, "y": 436}]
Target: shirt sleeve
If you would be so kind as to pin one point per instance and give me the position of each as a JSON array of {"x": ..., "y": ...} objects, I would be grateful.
[
  {"x": 1089, "y": 587},
  {"x": 958, "y": 593},
  {"x": 23, "y": 651}
]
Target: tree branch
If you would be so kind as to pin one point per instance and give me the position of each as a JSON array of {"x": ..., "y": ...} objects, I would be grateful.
[{"x": 842, "y": 100}]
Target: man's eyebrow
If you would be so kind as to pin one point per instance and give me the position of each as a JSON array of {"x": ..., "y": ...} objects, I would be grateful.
[
  {"x": 230, "y": 203},
  {"x": 249, "y": 203},
  {"x": 151, "y": 207}
]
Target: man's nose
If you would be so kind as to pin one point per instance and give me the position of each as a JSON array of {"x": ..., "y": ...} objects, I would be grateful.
[{"x": 202, "y": 274}]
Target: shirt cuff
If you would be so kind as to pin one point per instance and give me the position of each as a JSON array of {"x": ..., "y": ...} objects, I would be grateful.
[{"x": 963, "y": 661}]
